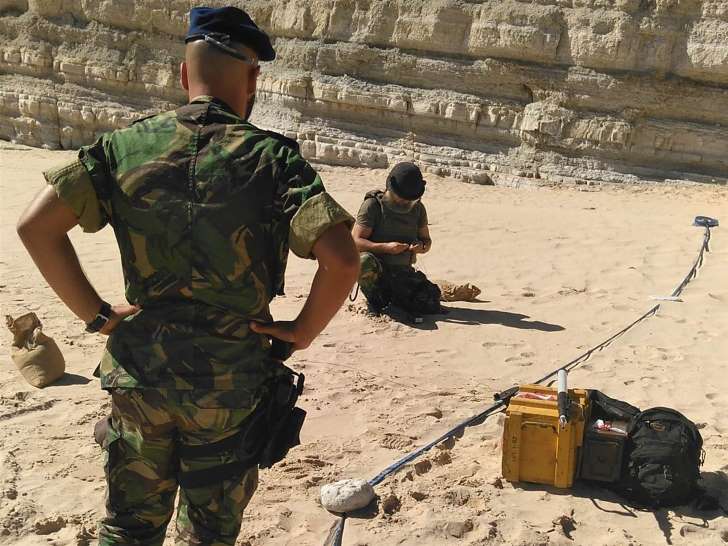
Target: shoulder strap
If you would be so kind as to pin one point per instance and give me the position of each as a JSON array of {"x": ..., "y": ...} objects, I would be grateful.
[{"x": 376, "y": 194}]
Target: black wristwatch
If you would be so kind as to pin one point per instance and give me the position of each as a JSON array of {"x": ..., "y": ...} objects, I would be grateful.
[{"x": 102, "y": 317}]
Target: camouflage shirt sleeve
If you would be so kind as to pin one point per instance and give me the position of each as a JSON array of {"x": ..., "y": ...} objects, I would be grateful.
[
  {"x": 313, "y": 210},
  {"x": 80, "y": 185}
]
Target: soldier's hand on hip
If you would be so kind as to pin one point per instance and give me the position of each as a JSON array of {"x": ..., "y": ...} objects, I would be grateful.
[
  {"x": 418, "y": 247},
  {"x": 285, "y": 330},
  {"x": 118, "y": 313},
  {"x": 396, "y": 248}
]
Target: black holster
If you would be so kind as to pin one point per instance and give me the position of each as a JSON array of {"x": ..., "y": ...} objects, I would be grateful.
[
  {"x": 264, "y": 439},
  {"x": 281, "y": 421}
]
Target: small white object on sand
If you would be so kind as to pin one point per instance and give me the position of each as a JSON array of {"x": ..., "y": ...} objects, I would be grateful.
[{"x": 346, "y": 495}]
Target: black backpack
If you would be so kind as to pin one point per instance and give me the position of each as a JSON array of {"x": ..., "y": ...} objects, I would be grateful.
[
  {"x": 410, "y": 290},
  {"x": 663, "y": 458},
  {"x": 662, "y": 455}
]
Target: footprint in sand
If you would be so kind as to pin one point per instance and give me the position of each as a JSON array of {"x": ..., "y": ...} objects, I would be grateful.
[
  {"x": 395, "y": 441},
  {"x": 27, "y": 409},
  {"x": 711, "y": 395},
  {"x": 314, "y": 460},
  {"x": 49, "y": 526},
  {"x": 284, "y": 520},
  {"x": 422, "y": 467},
  {"x": 518, "y": 360},
  {"x": 458, "y": 496}
]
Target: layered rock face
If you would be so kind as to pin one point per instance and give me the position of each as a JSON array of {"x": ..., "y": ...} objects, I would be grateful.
[{"x": 500, "y": 91}]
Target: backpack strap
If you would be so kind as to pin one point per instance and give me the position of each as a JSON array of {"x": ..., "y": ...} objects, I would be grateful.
[{"x": 376, "y": 194}]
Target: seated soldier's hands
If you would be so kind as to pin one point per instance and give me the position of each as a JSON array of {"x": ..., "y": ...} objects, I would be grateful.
[{"x": 396, "y": 248}]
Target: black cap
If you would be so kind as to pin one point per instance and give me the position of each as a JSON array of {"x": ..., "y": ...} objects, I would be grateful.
[
  {"x": 405, "y": 180},
  {"x": 232, "y": 23}
]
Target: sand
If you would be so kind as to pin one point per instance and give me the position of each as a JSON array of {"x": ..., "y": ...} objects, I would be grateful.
[{"x": 560, "y": 269}]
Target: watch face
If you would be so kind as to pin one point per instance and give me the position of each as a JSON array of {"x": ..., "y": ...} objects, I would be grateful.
[{"x": 97, "y": 323}]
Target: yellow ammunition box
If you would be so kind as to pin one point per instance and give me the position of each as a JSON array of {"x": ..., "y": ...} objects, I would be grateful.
[{"x": 536, "y": 448}]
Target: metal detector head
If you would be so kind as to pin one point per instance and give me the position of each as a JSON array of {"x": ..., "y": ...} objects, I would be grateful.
[{"x": 706, "y": 221}]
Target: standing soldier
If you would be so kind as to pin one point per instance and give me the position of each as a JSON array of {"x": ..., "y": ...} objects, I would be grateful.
[{"x": 205, "y": 207}]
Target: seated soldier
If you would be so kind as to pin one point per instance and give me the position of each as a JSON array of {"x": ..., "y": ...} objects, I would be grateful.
[{"x": 390, "y": 230}]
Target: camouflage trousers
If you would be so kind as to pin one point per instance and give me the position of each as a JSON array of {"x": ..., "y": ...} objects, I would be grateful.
[
  {"x": 370, "y": 274},
  {"x": 142, "y": 467},
  {"x": 400, "y": 285},
  {"x": 373, "y": 280}
]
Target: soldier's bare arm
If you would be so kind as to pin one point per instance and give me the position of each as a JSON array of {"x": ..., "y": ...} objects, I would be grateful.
[
  {"x": 361, "y": 236},
  {"x": 43, "y": 229},
  {"x": 424, "y": 242},
  {"x": 338, "y": 269}
]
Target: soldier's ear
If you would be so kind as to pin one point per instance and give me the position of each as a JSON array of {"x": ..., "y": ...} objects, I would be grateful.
[
  {"x": 183, "y": 79},
  {"x": 253, "y": 80}
]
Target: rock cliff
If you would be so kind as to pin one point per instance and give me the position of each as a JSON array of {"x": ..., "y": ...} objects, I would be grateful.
[{"x": 499, "y": 91}]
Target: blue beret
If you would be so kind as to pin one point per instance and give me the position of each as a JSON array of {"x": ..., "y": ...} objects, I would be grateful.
[{"x": 233, "y": 23}]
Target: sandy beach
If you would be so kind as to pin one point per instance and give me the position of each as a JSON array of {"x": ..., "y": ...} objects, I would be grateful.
[{"x": 561, "y": 269}]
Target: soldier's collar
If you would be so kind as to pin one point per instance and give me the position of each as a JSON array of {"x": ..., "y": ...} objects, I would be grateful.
[{"x": 202, "y": 99}]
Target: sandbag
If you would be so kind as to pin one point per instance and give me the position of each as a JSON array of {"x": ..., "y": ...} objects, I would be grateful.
[{"x": 35, "y": 354}]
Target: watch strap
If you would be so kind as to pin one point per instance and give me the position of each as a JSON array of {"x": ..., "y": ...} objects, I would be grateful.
[{"x": 102, "y": 317}]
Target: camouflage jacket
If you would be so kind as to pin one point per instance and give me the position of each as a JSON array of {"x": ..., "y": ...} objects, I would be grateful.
[{"x": 205, "y": 207}]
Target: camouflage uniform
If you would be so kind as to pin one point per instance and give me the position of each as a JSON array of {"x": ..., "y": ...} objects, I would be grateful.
[
  {"x": 205, "y": 207},
  {"x": 370, "y": 276}
]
